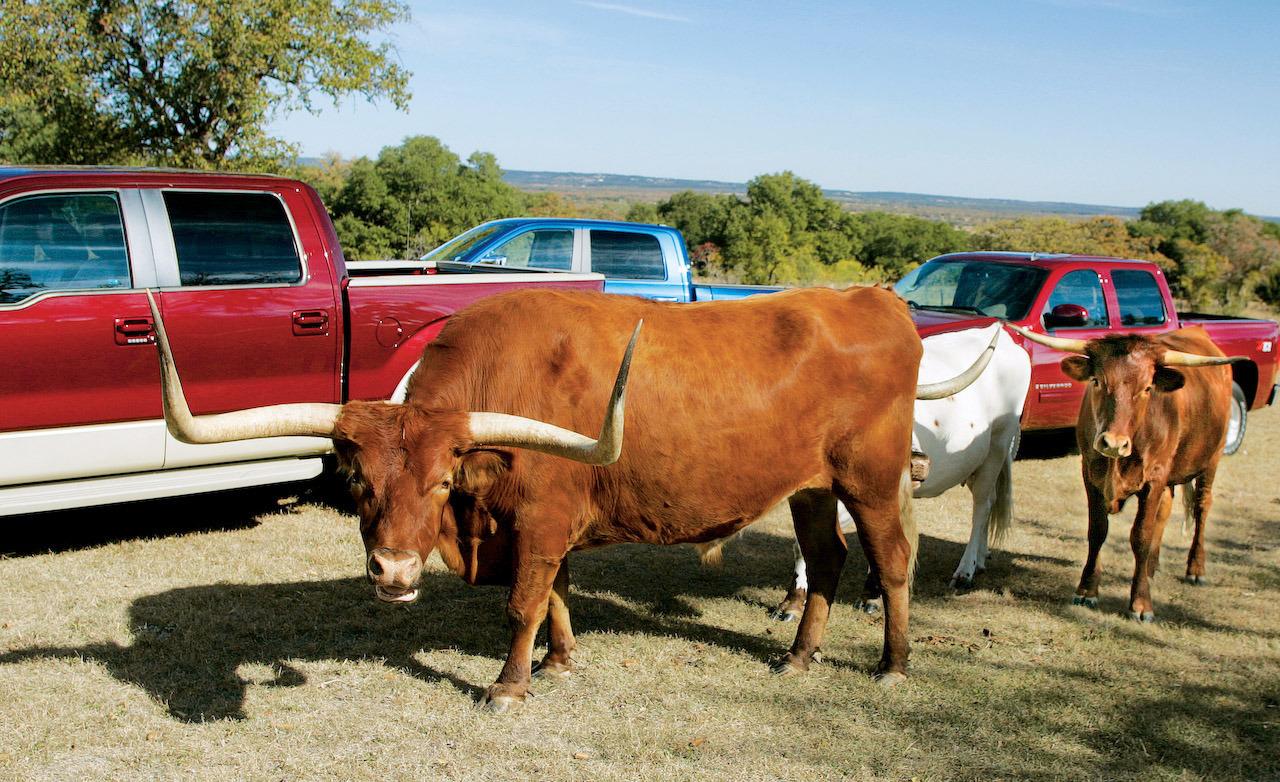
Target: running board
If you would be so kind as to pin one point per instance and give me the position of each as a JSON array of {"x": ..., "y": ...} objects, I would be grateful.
[{"x": 62, "y": 495}]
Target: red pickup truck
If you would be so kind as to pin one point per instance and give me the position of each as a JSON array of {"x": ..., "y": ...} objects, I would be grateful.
[
  {"x": 259, "y": 303},
  {"x": 1082, "y": 297}
]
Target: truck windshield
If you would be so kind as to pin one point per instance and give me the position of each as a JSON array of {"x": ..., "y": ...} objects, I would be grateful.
[
  {"x": 998, "y": 290},
  {"x": 457, "y": 248}
]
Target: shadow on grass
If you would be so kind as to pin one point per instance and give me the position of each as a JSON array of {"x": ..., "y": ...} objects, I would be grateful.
[
  {"x": 80, "y": 528},
  {"x": 189, "y": 644}
]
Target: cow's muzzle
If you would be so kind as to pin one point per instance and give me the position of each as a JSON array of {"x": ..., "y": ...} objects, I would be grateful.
[
  {"x": 394, "y": 574},
  {"x": 1113, "y": 446}
]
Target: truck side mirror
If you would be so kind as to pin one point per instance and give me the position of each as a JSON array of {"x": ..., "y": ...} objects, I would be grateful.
[{"x": 1066, "y": 316}]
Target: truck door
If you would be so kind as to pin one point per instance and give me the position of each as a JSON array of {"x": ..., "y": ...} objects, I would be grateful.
[
  {"x": 633, "y": 262},
  {"x": 1058, "y": 396},
  {"x": 79, "y": 388},
  {"x": 249, "y": 302}
]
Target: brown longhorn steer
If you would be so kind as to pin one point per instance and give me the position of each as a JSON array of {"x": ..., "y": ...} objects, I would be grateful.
[
  {"x": 1146, "y": 425},
  {"x": 735, "y": 407}
]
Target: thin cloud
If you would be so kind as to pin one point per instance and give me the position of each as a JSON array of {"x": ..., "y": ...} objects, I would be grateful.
[{"x": 632, "y": 11}]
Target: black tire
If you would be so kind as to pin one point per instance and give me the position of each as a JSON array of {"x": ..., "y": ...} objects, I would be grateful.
[{"x": 1238, "y": 422}]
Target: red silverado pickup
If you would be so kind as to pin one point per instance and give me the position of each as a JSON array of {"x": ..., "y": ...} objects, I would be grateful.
[
  {"x": 260, "y": 306},
  {"x": 1082, "y": 297}
]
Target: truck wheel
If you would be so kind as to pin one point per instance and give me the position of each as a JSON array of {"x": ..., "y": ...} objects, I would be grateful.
[{"x": 1238, "y": 422}]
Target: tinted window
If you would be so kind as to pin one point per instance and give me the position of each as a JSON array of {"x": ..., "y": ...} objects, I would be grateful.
[
  {"x": 550, "y": 249},
  {"x": 1081, "y": 287},
  {"x": 1138, "y": 295},
  {"x": 457, "y": 247},
  {"x": 1000, "y": 290},
  {"x": 60, "y": 242},
  {"x": 232, "y": 238},
  {"x": 627, "y": 256}
]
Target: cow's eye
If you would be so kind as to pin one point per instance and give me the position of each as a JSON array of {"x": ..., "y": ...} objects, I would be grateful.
[
  {"x": 1146, "y": 391},
  {"x": 445, "y": 484},
  {"x": 1096, "y": 383}
]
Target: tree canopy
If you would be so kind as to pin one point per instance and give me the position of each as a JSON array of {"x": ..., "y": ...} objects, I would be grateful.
[{"x": 181, "y": 82}]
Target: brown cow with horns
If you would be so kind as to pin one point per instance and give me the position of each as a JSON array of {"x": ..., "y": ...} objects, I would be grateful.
[
  {"x": 737, "y": 406},
  {"x": 1145, "y": 427}
]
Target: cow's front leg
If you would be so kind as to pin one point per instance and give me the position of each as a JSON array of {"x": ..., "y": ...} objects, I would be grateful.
[
  {"x": 1099, "y": 523},
  {"x": 531, "y": 589},
  {"x": 1154, "y": 504},
  {"x": 558, "y": 661}
]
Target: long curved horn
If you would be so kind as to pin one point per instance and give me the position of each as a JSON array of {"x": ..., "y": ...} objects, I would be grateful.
[
  {"x": 1176, "y": 358},
  {"x": 960, "y": 382},
  {"x": 273, "y": 421},
  {"x": 515, "y": 431},
  {"x": 1057, "y": 343}
]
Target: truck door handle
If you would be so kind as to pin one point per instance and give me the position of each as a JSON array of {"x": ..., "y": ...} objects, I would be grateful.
[
  {"x": 135, "y": 331},
  {"x": 310, "y": 323}
]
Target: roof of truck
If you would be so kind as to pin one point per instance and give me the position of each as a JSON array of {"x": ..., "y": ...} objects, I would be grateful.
[{"x": 73, "y": 176}]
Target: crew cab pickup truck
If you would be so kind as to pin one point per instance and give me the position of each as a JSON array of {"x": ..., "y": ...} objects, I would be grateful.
[
  {"x": 260, "y": 306},
  {"x": 639, "y": 259},
  {"x": 1080, "y": 297}
]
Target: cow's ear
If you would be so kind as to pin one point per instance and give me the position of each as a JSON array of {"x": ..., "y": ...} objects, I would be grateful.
[
  {"x": 1168, "y": 379},
  {"x": 477, "y": 470},
  {"x": 1077, "y": 368}
]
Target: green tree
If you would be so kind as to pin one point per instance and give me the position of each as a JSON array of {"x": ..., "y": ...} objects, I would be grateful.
[
  {"x": 417, "y": 195},
  {"x": 182, "y": 82}
]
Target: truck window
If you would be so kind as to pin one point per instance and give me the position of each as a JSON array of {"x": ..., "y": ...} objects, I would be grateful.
[
  {"x": 1081, "y": 287},
  {"x": 548, "y": 249},
  {"x": 1138, "y": 295},
  {"x": 626, "y": 255},
  {"x": 61, "y": 242},
  {"x": 232, "y": 238},
  {"x": 1000, "y": 290}
]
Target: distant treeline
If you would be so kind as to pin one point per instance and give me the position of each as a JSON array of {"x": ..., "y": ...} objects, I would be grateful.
[{"x": 786, "y": 231}]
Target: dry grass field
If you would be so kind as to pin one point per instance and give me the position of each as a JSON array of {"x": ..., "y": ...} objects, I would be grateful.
[{"x": 232, "y": 637}]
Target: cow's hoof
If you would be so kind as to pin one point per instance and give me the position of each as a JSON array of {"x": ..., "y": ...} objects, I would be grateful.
[
  {"x": 872, "y": 605},
  {"x": 552, "y": 670},
  {"x": 889, "y": 679},
  {"x": 783, "y": 614},
  {"x": 1146, "y": 617},
  {"x": 1197, "y": 580},
  {"x": 962, "y": 582},
  {"x": 787, "y": 666},
  {"x": 1087, "y": 602},
  {"x": 500, "y": 699}
]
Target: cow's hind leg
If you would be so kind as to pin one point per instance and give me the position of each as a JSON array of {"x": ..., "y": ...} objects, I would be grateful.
[
  {"x": 813, "y": 512},
  {"x": 983, "y": 486},
  {"x": 888, "y": 536},
  {"x": 1198, "y": 501},
  {"x": 793, "y": 603},
  {"x": 558, "y": 661}
]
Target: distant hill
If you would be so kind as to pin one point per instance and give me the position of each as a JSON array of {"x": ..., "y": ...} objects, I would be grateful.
[{"x": 952, "y": 208}]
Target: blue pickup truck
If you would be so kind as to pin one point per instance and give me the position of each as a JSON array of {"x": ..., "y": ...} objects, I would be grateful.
[{"x": 635, "y": 258}]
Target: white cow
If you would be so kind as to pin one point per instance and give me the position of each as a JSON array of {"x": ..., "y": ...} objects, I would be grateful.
[{"x": 970, "y": 439}]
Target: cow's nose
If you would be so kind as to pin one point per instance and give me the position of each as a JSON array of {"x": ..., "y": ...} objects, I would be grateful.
[
  {"x": 1113, "y": 445},
  {"x": 394, "y": 567}
]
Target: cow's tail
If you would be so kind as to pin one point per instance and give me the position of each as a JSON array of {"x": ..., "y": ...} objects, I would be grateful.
[
  {"x": 1001, "y": 518},
  {"x": 908, "y": 521},
  {"x": 711, "y": 553},
  {"x": 1188, "y": 506}
]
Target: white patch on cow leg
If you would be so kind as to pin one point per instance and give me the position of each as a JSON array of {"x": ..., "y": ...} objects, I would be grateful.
[{"x": 802, "y": 578}]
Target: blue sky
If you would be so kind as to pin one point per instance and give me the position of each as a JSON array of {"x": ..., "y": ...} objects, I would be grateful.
[{"x": 1103, "y": 101}]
